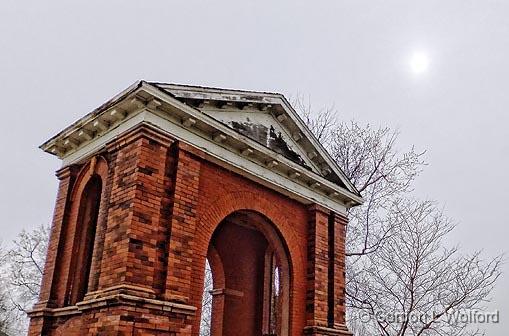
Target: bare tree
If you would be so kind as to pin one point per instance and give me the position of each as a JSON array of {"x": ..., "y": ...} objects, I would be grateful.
[
  {"x": 381, "y": 173},
  {"x": 26, "y": 261},
  {"x": 370, "y": 158},
  {"x": 415, "y": 285},
  {"x": 21, "y": 274},
  {"x": 384, "y": 175},
  {"x": 321, "y": 123},
  {"x": 6, "y": 317}
]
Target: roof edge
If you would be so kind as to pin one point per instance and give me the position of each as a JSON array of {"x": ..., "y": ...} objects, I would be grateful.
[{"x": 110, "y": 102}]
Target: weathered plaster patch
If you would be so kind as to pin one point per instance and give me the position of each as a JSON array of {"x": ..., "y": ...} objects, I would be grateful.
[{"x": 269, "y": 137}]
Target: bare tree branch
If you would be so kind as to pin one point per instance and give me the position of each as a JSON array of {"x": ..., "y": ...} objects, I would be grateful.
[
  {"x": 414, "y": 274},
  {"x": 22, "y": 272},
  {"x": 397, "y": 259}
]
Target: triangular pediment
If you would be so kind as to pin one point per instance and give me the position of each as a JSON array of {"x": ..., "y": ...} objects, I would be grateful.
[
  {"x": 257, "y": 134},
  {"x": 267, "y": 118}
]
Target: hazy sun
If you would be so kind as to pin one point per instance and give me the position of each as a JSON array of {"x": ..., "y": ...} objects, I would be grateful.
[{"x": 419, "y": 62}]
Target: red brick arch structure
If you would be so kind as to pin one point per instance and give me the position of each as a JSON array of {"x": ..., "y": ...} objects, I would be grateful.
[
  {"x": 152, "y": 186},
  {"x": 222, "y": 193},
  {"x": 268, "y": 215}
]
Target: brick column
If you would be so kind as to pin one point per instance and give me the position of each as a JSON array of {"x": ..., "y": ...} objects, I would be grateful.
[
  {"x": 216, "y": 318},
  {"x": 132, "y": 247},
  {"x": 340, "y": 223},
  {"x": 183, "y": 224},
  {"x": 46, "y": 295},
  {"x": 317, "y": 268},
  {"x": 325, "y": 310}
]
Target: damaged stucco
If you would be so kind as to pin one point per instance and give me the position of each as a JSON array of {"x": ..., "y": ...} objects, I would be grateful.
[{"x": 269, "y": 137}]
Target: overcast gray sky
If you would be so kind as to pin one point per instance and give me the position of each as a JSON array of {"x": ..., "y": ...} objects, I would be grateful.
[{"x": 58, "y": 62}]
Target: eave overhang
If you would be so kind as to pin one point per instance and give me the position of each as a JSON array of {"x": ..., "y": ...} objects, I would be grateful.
[
  {"x": 144, "y": 103},
  {"x": 279, "y": 107}
]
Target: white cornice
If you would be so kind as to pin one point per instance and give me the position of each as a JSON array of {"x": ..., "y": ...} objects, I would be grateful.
[
  {"x": 289, "y": 119},
  {"x": 152, "y": 106}
]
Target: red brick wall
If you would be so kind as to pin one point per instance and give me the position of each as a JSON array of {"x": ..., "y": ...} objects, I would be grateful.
[
  {"x": 161, "y": 202},
  {"x": 223, "y": 192}
]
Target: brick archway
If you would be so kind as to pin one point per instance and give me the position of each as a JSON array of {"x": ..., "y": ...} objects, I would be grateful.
[
  {"x": 214, "y": 208},
  {"x": 244, "y": 252},
  {"x": 232, "y": 202}
]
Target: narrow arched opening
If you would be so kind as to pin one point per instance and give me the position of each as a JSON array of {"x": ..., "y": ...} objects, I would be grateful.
[
  {"x": 206, "y": 302},
  {"x": 275, "y": 307},
  {"x": 84, "y": 238}
]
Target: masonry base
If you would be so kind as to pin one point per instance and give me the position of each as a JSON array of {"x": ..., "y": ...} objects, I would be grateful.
[{"x": 114, "y": 313}]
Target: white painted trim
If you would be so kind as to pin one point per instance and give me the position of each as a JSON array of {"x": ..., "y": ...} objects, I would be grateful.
[
  {"x": 225, "y": 146},
  {"x": 220, "y": 155},
  {"x": 98, "y": 143},
  {"x": 209, "y": 120},
  {"x": 242, "y": 165},
  {"x": 241, "y": 96}
]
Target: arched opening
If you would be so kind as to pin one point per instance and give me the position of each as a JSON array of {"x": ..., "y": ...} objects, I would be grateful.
[
  {"x": 248, "y": 278},
  {"x": 84, "y": 238}
]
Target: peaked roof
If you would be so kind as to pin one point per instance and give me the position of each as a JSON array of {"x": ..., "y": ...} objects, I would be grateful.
[
  {"x": 281, "y": 109},
  {"x": 213, "y": 110}
]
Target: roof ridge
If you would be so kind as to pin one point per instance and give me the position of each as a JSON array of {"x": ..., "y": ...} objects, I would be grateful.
[{"x": 189, "y": 86}]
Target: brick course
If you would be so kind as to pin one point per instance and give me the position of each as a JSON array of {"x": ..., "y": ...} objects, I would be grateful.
[{"x": 161, "y": 202}]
